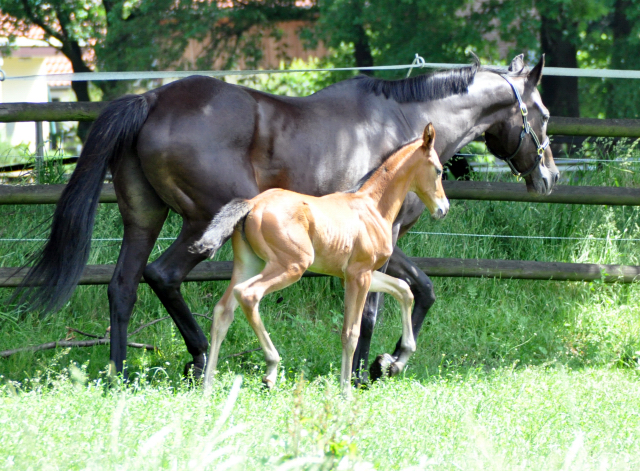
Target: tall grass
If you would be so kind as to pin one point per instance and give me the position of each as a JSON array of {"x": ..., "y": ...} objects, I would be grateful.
[{"x": 509, "y": 374}]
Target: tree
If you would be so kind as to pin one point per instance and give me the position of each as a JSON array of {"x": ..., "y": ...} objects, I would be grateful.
[
  {"x": 623, "y": 95},
  {"x": 147, "y": 34},
  {"x": 384, "y": 32}
]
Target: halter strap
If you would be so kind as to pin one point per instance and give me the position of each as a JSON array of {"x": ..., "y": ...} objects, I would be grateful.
[{"x": 526, "y": 129}]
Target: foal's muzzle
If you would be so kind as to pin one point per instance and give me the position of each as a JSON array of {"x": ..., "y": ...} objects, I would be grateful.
[{"x": 441, "y": 209}]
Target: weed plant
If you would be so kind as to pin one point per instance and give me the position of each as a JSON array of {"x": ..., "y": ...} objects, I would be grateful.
[{"x": 508, "y": 374}]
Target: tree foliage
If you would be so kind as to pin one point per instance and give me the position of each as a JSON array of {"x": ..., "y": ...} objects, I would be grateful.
[
  {"x": 149, "y": 34},
  {"x": 153, "y": 34}
]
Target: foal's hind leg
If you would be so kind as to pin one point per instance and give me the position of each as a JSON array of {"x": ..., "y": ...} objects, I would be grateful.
[
  {"x": 274, "y": 277},
  {"x": 400, "y": 291},
  {"x": 245, "y": 266}
]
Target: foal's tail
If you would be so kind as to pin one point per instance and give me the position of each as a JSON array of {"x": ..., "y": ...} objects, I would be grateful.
[
  {"x": 57, "y": 267},
  {"x": 222, "y": 226}
]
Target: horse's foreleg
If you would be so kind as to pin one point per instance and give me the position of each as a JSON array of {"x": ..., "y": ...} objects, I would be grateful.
[
  {"x": 401, "y": 292},
  {"x": 400, "y": 266},
  {"x": 165, "y": 276},
  {"x": 373, "y": 304},
  {"x": 356, "y": 288},
  {"x": 274, "y": 277}
]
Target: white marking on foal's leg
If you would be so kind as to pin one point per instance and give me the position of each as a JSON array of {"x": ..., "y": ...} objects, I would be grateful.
[{"x": 399, "y": 289}]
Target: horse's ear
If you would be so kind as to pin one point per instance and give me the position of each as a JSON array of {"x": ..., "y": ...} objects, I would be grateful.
[
  {"x": 429, "y": 135},
  {"x": 517, "y": 64},
  {"x": 535, "y": 75}
]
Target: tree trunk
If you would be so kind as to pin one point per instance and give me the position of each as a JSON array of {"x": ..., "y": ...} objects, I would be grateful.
[
  {"x": 74, "y": 53},
  {"x": 559, "y": 94},
  {"x": 623, "y": 97},
  {"x": 362, "y": 50}
]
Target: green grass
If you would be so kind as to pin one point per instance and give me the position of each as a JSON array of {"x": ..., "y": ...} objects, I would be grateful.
[
  {"x": 509, "y": 374},
  {"x": 526, "y": 419}
]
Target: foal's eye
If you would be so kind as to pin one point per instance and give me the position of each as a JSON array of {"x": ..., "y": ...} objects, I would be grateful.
[{"x": 438, "y": 172}]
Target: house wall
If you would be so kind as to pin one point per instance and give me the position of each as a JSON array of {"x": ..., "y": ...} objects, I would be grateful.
[{"x": 12, "y": 91}]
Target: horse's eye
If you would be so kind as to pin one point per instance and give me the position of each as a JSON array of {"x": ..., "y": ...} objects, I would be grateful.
[{"x": 438, "y": 172}]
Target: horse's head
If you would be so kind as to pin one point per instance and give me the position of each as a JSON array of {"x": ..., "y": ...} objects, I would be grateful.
[
  {"x": 427, "y": 182},
  {"x": 521, "y": 138}
]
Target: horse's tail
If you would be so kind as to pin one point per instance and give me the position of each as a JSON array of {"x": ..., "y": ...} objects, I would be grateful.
[
  {"x": 222, "y": 226},
  {"x": 57, "y": 267}
]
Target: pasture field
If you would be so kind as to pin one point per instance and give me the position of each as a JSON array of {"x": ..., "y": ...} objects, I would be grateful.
[{"x": 509, "y": 374}]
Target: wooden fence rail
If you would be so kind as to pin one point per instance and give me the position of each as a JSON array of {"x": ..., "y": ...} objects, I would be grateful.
[
  {"x": 88, "y": 111},
  {"x": 49, "y": 194},
  {"x": 449, "y": 267},
  {"x": 436, "y": 267}
]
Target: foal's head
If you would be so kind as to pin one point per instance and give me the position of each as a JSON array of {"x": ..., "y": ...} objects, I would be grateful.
[{"x": 427, "y": 181}]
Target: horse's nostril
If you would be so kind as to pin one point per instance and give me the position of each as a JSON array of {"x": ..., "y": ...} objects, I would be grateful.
[{"x": 556, "y": 177}]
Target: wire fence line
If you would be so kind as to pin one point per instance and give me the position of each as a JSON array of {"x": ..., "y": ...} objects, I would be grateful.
[
  {"x": 150, "y": 75},
  {"x": 448, "y": 234}
]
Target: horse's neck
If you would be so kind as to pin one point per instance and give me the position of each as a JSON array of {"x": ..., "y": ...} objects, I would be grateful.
[
  {"x": 390, "y": 183},
  {"x": 458, "y": 119}
]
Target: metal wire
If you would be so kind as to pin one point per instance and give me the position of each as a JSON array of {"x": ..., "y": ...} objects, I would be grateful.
[
  {"x": 606, "y": 239},
  {"x": 452, "y": 234},
  {"x": 90, "y": 76}
]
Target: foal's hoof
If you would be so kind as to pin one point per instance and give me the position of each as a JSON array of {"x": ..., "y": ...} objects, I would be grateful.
[
  {"x": 193, "y": 371},
  {"x": 383, "y": 365},
  {"x": 268, "y": 384}
]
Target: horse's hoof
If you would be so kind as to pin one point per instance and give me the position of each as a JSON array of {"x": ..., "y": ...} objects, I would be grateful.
[
  {"x": 193, "y": 371},
  {"x": 380, "y": 366},
  {"x": 268, "y": 384},
  {"x": 394, "y": 370}
]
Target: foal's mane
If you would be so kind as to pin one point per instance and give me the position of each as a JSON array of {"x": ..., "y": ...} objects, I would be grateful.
[{"x": 370, "y": 173}]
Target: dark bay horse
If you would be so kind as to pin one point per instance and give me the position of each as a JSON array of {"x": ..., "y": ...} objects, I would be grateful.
[
  {"x": 280, "y": 234},
  {"x": 197, "y": 143}
]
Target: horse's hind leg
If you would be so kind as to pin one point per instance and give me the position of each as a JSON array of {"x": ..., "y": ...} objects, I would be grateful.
[
  {"x": 402, "y": 293},
  {"x": 274, "y": 277},
  {"x": 143, "y": 214},
  {"x": 166, "y": 274}
]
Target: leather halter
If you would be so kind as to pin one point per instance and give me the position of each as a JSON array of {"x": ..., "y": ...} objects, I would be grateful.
[{"x": 526, "y": 129}]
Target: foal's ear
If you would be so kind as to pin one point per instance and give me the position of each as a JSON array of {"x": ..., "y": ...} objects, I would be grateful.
[
  {"x": 429, "y": 135},
  {"x": 535, "y": 75},
  {"x": 517, "y": 64}
]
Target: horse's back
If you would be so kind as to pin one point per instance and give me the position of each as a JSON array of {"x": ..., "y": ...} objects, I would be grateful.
[{"x": 195, "y": 144}]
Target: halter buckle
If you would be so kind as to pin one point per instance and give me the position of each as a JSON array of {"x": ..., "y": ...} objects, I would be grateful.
[{"x": 523, "y": 109}]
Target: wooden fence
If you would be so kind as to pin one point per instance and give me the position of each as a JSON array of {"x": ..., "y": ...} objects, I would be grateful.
[
  {"x": 88, "y": 111},
  {"x": 449, "y": 267}
]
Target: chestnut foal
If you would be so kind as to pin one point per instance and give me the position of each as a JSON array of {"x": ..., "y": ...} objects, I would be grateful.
[{"x": 279, "y": 234}]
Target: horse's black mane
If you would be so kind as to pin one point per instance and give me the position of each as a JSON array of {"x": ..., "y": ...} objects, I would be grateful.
[
  {"x": 421, "y": 87},
  {"x": 370, "y": 173}
]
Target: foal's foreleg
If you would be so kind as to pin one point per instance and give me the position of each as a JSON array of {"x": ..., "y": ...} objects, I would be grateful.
[
  {"x": 400, "y": 266},
  {"x": 400, "y": 290},
  {"x": 356, "y": 289}
]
